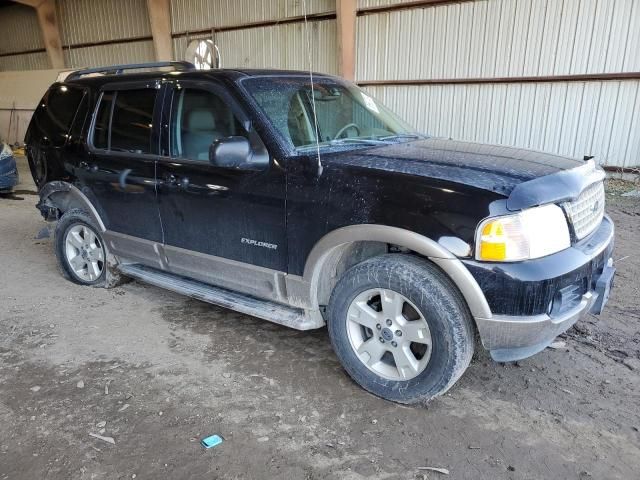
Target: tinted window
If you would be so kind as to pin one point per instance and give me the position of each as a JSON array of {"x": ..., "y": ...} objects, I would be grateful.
[
  {"x": 79, "y": 119},
  {"x": 133, "y": 120},
  {"x": 56, "y": 112},
  {"x": 198, "y": 118},
  {"x": 101, "y": 130}
]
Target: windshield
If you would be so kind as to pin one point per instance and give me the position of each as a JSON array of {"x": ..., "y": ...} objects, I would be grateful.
[{"x": 345, "y": 113}]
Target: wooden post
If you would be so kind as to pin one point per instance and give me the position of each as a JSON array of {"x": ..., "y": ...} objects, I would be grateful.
[
  {"x": 346, "y": 16},
  {"x": 160, "y": 20},
  {"x": 48, "y": 21}
]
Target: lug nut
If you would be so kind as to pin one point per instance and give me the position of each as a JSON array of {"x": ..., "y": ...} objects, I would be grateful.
[
  {"x": 394, "y": 344},
  {"x": 389, "y": 322},
  {"x": 379, "y": 327},
  {"x": 398, "y": 333},
  {"x": 381, "y": 340}
]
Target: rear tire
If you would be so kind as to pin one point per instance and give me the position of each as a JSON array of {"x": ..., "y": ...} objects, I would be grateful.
[
  {"x": 80, "y": 249},
  {"x": 407, "y": 312}
]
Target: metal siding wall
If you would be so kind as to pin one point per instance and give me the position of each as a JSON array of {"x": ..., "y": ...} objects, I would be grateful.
[
  {"x": 20, "y": 29},
  {"x": 568, "y": 118},
  {"x": 496, "y": 38},
  {"x": 86, "y": 21},
  {"x": 194, "y": 15},
  {"x": 27, "y": 61},
  {"x": 278, "y": 46},
  {"x": 380, "y": 3},
  {"x": 509, "y": 38},
  {"x": 117, "y": 53}
]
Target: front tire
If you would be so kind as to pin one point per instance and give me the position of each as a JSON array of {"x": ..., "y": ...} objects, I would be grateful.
[
  {"x": 80, "y": 249},
  {"x": 400, "y": 328}
]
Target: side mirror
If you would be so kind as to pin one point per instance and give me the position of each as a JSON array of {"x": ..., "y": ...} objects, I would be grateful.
[{"x": 230, "y": 152}]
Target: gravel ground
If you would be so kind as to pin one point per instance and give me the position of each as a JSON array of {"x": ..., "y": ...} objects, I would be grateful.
[{"x": 156, "y": 372}]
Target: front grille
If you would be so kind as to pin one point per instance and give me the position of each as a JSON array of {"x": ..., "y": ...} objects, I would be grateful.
[{"x": 585, "y": 213}]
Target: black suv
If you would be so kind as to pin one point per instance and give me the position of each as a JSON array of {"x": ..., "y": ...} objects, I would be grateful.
[{"x": 305, "y": 202}]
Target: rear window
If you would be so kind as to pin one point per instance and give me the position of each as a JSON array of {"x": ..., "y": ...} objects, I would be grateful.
[
  {"x": 55, "y": 113},
  {"x": 125, "y": 120}
]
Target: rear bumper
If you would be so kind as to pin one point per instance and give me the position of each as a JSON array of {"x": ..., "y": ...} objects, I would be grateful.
[{"x": 581, "y": 289}]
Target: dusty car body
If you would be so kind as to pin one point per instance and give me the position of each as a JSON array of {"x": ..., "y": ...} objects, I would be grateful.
[
  {"x": 309, "y": 203},
  {"x": 8, "y": 169}
]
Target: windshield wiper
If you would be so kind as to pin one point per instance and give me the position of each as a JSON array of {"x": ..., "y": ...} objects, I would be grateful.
[
  {"x": 365, "y": 141},
  {"x": 402, "y": 135},
  {"x": 346, "y": 141}
]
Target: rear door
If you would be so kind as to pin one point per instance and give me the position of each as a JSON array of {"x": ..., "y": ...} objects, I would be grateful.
[
  {"x": 119, "y": 171},
  {"x": 222, "y": 224}
]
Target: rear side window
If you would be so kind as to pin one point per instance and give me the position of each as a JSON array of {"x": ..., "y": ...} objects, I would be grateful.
[
  {"x": 55, "y": 113},
  {"x": 125, "y": 120}
]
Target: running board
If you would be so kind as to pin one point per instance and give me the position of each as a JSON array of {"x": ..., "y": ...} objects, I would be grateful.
[{"x": 271, "y": 311}]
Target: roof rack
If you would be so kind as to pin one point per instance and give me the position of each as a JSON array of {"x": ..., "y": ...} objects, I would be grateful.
[{"x": 120, "y": 69}]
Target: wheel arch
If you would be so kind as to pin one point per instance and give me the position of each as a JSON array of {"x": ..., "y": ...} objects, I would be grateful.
[
  {"x": 344, "y": 247},
  {"x": 58, "y": 196}
]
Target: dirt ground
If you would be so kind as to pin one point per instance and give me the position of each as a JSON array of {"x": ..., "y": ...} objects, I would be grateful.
[{"x": 164, "y": 371}]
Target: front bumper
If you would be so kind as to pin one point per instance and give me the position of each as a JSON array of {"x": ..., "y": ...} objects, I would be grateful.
[{"x": 568, "y": 285}]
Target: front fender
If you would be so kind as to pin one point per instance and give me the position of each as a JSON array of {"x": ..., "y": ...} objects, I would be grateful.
[{"x": 336, "y": 240}]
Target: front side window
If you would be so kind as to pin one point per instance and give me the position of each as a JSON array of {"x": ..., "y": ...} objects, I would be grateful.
[
  {"x": 125, "y": 120},
  {"x": 344, "y": 112},
  {"x": 198, "y": 118}
]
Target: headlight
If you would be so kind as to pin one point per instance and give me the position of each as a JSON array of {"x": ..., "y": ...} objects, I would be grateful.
[{"x": 532, "y": 233}]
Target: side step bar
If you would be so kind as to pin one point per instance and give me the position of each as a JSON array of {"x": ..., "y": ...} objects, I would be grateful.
[{"x": 271, "y": 311}]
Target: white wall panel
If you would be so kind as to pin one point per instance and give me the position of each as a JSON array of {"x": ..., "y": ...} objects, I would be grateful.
[
  {"x": 496, "y": 38},
  {"x": 19, "y": 29},
  {"x": 86, "y": 21},
  {"x": 194, "y": 15},
  {"x": 278, "y": 46},
  {"x": 568, "y": 118}
]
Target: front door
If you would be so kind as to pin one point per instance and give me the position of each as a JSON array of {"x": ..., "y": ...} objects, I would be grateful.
[
  {"x": 118, "y": 174},
  {"x": 223, "y": 224}
]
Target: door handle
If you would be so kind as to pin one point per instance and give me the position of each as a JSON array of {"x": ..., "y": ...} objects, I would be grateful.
[
  {"x": 170, "y": 179},
  {"x": 88, "y": 168},
  {"x": 175, "y": 181}
]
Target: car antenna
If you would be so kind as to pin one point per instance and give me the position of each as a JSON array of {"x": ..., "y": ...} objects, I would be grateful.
[{"x": 313, "y": 96}]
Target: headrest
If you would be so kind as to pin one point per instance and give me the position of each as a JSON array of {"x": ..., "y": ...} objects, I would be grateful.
[{"x": 201, "y": 119}]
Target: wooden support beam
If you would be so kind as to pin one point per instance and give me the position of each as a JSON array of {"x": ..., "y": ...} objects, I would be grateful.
[
  {"x": 346, "y": 11},
  {"x": 48, "y": 21},
  {"x": 160, "y": 20}
]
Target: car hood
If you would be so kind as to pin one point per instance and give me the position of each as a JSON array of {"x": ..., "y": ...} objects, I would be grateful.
[{"x": 526, "y": 177}]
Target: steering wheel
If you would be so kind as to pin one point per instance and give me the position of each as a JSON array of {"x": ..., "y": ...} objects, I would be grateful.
[{"x": 345, "y": 128}]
